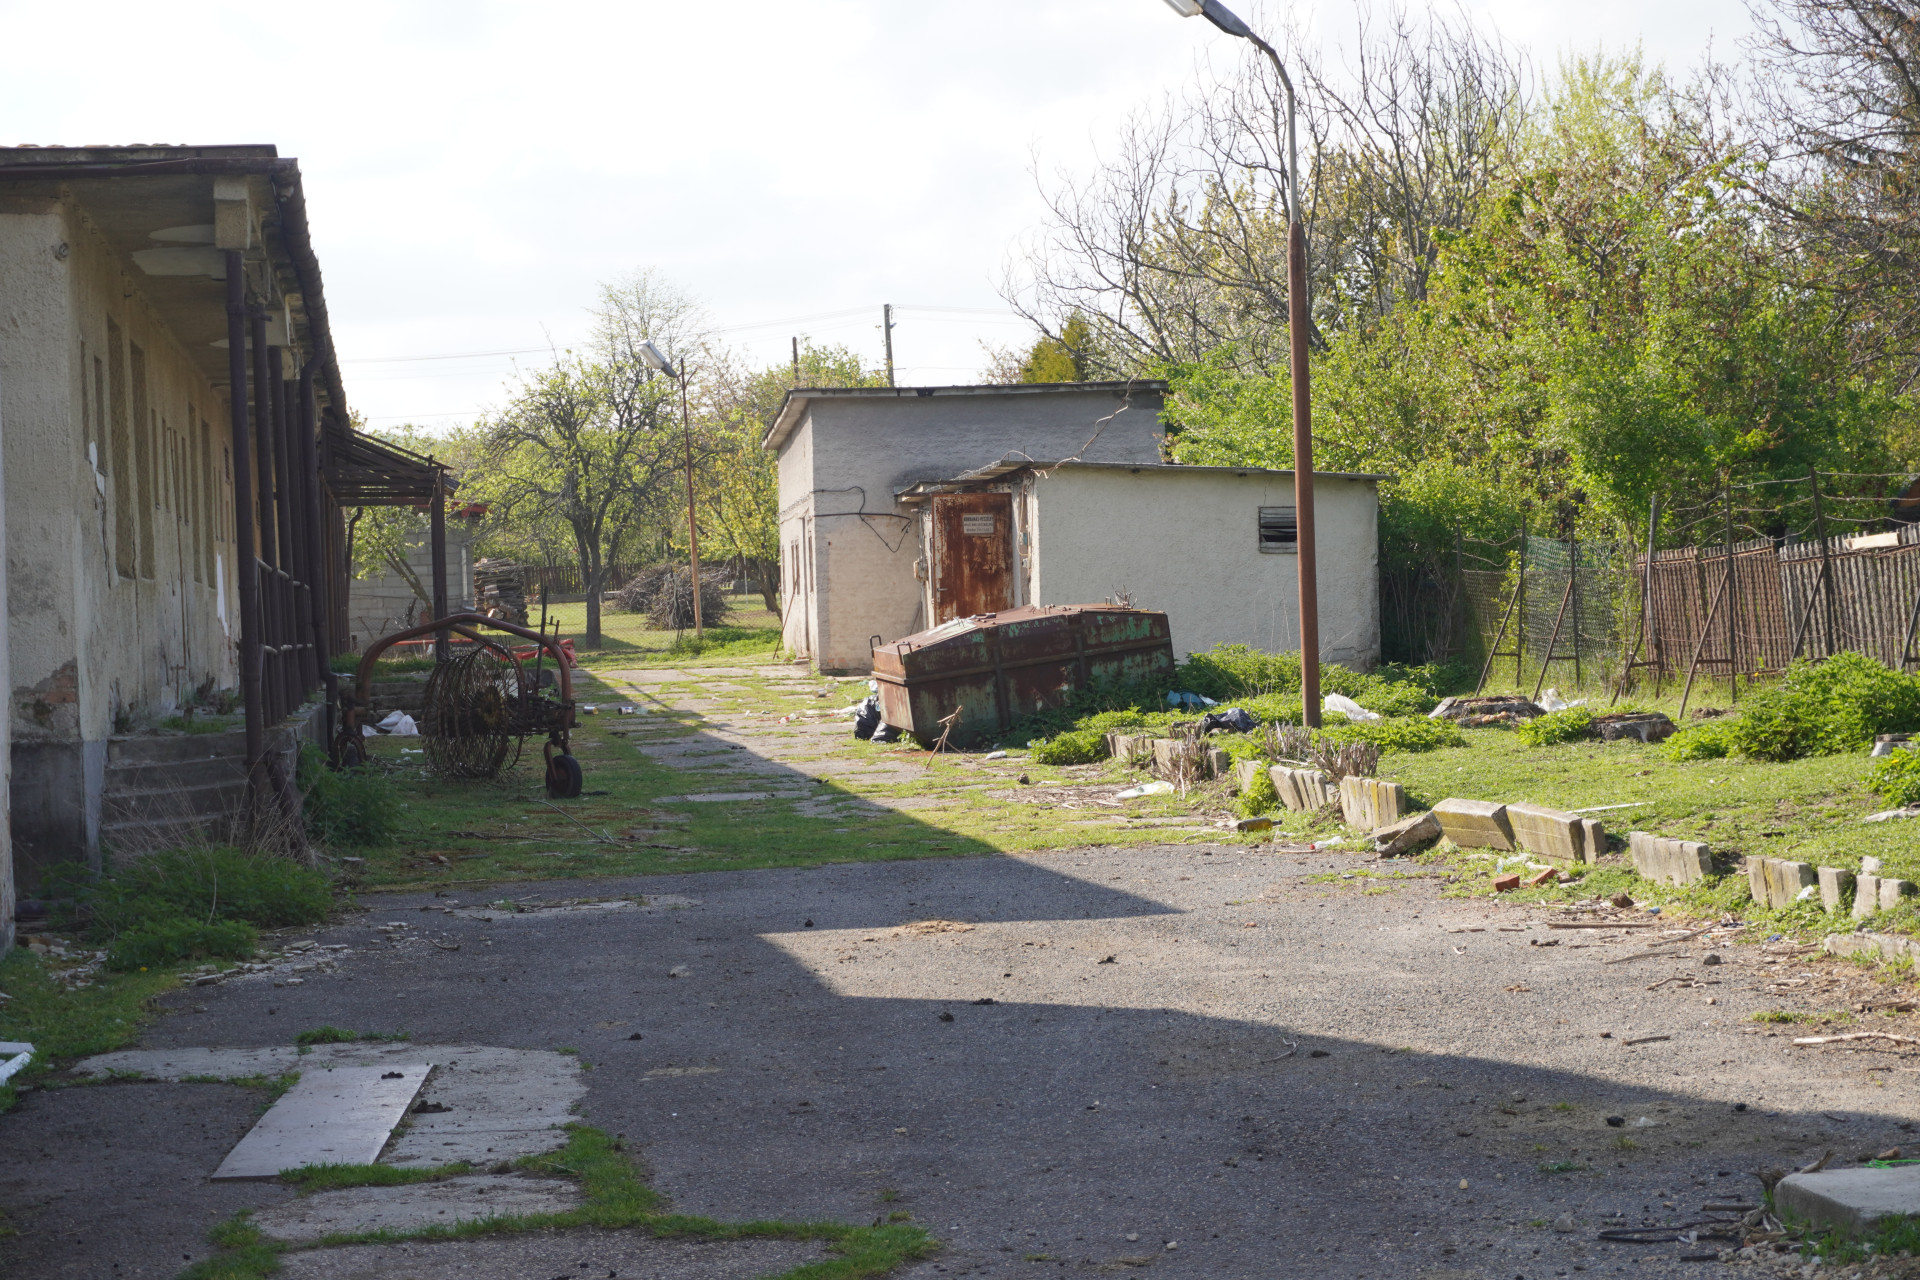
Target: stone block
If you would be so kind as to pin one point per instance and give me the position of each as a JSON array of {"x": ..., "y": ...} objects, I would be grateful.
[
  {"x": 1866, "y": 895},
  {"x": 1836, "y": 885},
  {"x": 1596, "y": 838},
  {"x": 1129, "y": 748},
  {"x": 1849, "y": 1200},
  {"x": 1506, "y": 884},
  {"x": 1892, "y": 890},
  {"x": 1475, "y": 824},
  {"x": 1216, "y": 762},
  {"x": 1369, "y": 803},
  {"x": 1406, "y": 835},
  {"x": 1778, "y": 882},
  {"x": 1304, "y": 790},
  {"x": 1670, "y": 861},
  {"x": 1246, "y": 772},
  {"x": 1883, "y": 946},
  {"x": 1887, "y": 743},
  {"x": 1552, "y": 834}
]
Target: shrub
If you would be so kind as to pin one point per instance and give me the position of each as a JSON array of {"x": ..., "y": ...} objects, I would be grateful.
[
  {"x": 166, "y": 942},
  {"x": 1826, "y": 708},
  {"x": 1076, "y": 746},
  {"x": 1401, "y": 733},
  {"x": 1231, "y": 672},
  {"x": 1709, "y": 740},
  {"x": 1569, "y": 725},
  {"x": 1896, "y": 777},
  {"x": 665, "y": 594},
  {"x": 346, "y": 808},
  {"x": 1260, "y": 797}
]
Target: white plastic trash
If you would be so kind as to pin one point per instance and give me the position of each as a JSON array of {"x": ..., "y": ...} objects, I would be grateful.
[
  {"x": 996, "y": 755},
  {"x": 400, "y": 725},
  {"x": 1552, "y": 701},
  {"x": 1145, "y": 789},
  {"x": 1347, "y": 707}
]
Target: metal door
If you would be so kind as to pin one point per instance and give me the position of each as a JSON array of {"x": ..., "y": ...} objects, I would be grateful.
[{"x": 973, "y": 550}]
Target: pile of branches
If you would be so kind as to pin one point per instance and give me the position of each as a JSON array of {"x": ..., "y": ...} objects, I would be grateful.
[{"x": 664, "y": 593}]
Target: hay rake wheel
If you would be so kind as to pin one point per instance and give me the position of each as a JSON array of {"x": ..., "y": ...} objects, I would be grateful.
[{"x": 481, "y": 705}]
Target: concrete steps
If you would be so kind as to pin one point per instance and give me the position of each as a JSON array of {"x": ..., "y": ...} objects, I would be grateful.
[{"x": 167, "y": 789}]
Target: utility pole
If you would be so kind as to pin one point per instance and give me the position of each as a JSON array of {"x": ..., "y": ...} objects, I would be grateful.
[
  {"x": 886, "y": 327},
  {"x": 796, "y": 360},
  {"x": 693, "y": 525}
]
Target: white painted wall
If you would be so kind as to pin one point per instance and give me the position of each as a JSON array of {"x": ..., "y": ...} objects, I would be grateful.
[
  {"x": 1185, "y": 541},
  {"x": 850, "y": 455}
]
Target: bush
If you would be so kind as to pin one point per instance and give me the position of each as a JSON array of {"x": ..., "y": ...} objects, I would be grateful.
[
  {"x": 207, "y": 885},
  {"x": 1076, "y": 746},
  {"x": 1402, "y": 733},
  {"x": 1709, "y": 740},
  {"x": 1235, "y": 672},
  {"x": 1896, "y": 776},
  {"x": 665, "y": 594},
  {"x": 1260, "y": 797},
  {"x": 1569, "y": 725},
  {"x": 166, "y": 942},
  {"x": 346, "y": 808},
  {"x": 1827, "y": 708}
]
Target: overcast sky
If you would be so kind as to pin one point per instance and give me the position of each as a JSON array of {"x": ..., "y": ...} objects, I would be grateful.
[{"x": 473, "y": 169}]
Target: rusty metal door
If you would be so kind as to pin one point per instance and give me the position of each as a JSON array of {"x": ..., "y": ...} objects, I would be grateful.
[{"x": 973, "y": 549}]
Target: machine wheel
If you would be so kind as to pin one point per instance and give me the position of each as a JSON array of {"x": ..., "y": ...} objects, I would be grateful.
[{"x": 563, "y": 777}]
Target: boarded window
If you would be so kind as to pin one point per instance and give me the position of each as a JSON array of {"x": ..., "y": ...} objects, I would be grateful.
[
  {"x": 122, "y": 462},
  {"x": 1279, "y": 530}
]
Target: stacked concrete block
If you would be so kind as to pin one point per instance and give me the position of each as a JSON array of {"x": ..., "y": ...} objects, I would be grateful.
[
  {"x": 1556, "y": 835},
  {"x": 1170, "y": 753},
  {"x": 1779, "y": 882},
  {"x": 1369, "y": 803},
  {"x": 1129, "y": 748},
  {"x": 1302, "y": 789},
  {"x": 1216, "y": 762},
  {"x": 1835, "y": 886},
  {"x": 1873, "y": 893},
  {"x": 1245, "y": 772},
  {"x": 1675, "y": 862},
  {"x": 1475, "y": 824}
]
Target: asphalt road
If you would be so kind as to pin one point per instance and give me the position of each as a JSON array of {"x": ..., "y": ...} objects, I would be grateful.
[{"x": 1193, "y": 1058}]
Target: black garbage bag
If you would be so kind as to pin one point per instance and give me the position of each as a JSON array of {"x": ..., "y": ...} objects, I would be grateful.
[
  {"x": 1232, "y": 720},
  {"x": 866, "y": 719}
]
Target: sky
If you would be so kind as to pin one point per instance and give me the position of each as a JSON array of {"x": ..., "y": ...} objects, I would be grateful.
[{"x": 474, "y": 170}]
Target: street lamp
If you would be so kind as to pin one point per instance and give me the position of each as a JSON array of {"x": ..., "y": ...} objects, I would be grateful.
[
  {"x": 651, "y": 356},
  {"x": 1306, "y": 568}
]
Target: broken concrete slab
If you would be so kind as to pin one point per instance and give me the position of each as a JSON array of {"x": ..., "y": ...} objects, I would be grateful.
[
  {"x": 1475, "y": 824},
  {"x": 1637, "y": 726},
  {"x": 1836, "y": 886},
  {"x": 407, "y": 1208},
  {"x": 1406, "y": 835},
  {"x": 336, "y": 1115},
  {"x": 1883, "y": 946},
  {"x": 1885, "y": 744},
  {"x": 1866, "y": 894},
  {"x": 1304, "y": 790},
  {"x": 1849, "y": 1200},
  {"x": 1779, "y": 882},
  {"x": 1370, "y": 803},
  {"x": 1129, "y": 748},
  {"x": 1670, "y": 861},
  {"x": 501, "y": 1103},
  {"x": 1246, "y": 773},
  {"x": 1553, "y": 834}
]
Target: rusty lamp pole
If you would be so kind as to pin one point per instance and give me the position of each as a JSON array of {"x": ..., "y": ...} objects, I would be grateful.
[
  {"x": 654, "y": 360},
  {"x": 1306, "y": 567}
]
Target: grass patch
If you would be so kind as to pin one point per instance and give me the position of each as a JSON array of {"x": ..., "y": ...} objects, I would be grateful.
[
  {"x": 1783, "y": 1016},
  {"x": 346, "y": 808},
  {"x": 616, "y": 1198},
  {"x": 339, "y": 1177},
  {"x": 65, "y": 1023},
  {"x": 1891, "y": 1237},
  {"x": 1564, "y": 1166},
  {"x": 340, "y": 1035}
]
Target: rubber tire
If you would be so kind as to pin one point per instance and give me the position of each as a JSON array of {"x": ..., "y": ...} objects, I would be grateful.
[{"x": 564, "y": 778}]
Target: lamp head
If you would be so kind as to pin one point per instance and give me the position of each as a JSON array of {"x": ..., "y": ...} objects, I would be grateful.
[
  {"x": 1216, "y": 13},
  {"x": 651, "y": 357},
  {"x": 1185, "y": 8}
]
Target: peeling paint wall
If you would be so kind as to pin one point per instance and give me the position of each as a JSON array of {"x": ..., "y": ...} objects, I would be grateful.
[{"x": 118, "y": 514}]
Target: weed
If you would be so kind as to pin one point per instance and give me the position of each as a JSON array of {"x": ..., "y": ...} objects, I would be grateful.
[
  {"x": 347, "y": 808},
  {"x": 340, "y": 1035},
  {"x": 1076, "y": 746},
  {"x": 1826, "y": 708},
  {"x": 1556, "y": 727},
  {"x": 1259, "y": 796},
  {"x": 1564, "y": 1166},
  {"x": 212, "y": 884},
  {"x": 1563, "y": 1106},
  {"x": 1710, "y": 740},
  {"x": 1895, "y": 777},
  {"x": 170, "y": 942},
  {"x": 1624, "y": 1143},
  {"x": 339, "y": 1177},
  {"x": 887, "y": 1195},
  {"x": 1894, "y": 1236},
  {"x": 1783, "y": 1016}
]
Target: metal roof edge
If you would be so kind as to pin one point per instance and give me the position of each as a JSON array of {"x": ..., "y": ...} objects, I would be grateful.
[{"x": 799, "y": 397}]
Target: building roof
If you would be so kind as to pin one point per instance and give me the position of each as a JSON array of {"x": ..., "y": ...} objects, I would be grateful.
[
  {"x": 794, "y": 407},
  {"x": 1008, "y": 466}
]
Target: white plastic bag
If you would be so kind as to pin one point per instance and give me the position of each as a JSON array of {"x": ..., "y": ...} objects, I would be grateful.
[
  {"x": 400, "y": 725},
  {"x": 1347, "y": 707},
  {"x": 1145, "y": 789},
  {"x": 1552, "y": 701}
]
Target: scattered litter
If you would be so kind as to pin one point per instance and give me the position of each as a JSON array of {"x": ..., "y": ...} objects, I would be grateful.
[
  {"x": 1608, "y": 808},
  {"x": 1858, "y": 1035},
  {"x": 1616, "y": 1122},
  {"x": 1888, "y": 815},
  {"x": 1253, "y": 824},
  {"x": 680, "y": 971},
  {"x": 1233, "y": 720},
  {"x": 628, "y": 709},
  {"x": 996, "y": 755},
  {"x": 1643, "y": 1122},
  {"x": 400, "y": 725},
  {"x": 1552, "y": 701},
  {"x": 1506, "y": 884},
  {"x": 18, "y": 1054},
  {"x": 589, "y": 709},
  {"x": 1347, "y": 707},
  {"x": 1177, "y": 700},
  {"x": 1157, "y": 788}
]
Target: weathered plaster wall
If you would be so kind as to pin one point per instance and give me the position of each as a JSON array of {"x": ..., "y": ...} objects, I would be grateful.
[
  {"x": 380, "y": 606},
  {"x": 794, "y": 468},
  {"x": 864, "y": 450},
  {"x": 98, "y": 638},
  {"x": 1186, "y": 542}
]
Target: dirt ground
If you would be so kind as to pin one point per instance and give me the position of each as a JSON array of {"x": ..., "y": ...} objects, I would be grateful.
[{"x": 1202, "y": 1059}]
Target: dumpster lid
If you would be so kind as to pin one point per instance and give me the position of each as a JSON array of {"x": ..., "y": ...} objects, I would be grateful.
[{"x": 986, "y": 621}]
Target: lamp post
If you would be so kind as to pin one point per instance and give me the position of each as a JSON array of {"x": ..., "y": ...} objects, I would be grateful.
[
  {"x": 651, "y": 356},
  {"x": 1306, "y": 568}
]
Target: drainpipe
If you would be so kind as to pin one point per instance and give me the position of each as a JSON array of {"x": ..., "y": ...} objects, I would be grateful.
[
  {"x": 437, "y": 548},
  {"x": 244, "y": 567}
]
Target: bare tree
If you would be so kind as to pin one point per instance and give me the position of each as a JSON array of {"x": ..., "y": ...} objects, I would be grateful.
[
  {"x": 1175, "y": 246},
  {"x": 1837, "y": 115}
]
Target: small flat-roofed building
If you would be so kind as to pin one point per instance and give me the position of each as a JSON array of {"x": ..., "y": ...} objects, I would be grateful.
[{"x": 902, "y": 508}]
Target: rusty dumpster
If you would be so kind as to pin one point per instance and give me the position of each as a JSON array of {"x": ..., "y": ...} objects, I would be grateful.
[{"x": 994, "y": 668}]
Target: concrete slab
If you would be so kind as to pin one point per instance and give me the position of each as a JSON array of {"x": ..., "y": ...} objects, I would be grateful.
[
  {"x": 1553, "y": 834},
  {"x": 1866, "y": 895},
  {"x": 1670, "y": 861},
  {"x": 1836, "y": 885},
  {"x": 421, "y": 1205},
  {"x": 1851, "y": 1200},
  {"x": 1303, "y": 790},
  {"x": 501, "y": 1103},
  {"x": 1892, "y": 890},
  {"x": 1369, "y": 803},
  {"x": 1475, "y": 824},
  {"x": 542, "y": 1256},
  {"x": 339, "y": 1115}
]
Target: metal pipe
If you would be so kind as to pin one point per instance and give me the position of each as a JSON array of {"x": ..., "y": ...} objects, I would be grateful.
[
  {"x": 437, "y": 517},
  {"x": 318, "y": 582},
  {"x": 286, "y": 624},
  {"x": 244, "y": 563}
]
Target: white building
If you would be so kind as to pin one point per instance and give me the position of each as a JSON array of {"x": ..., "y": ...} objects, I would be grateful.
[{"x": 903, "y": 507}]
